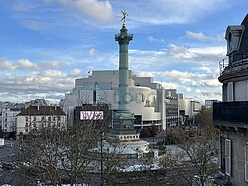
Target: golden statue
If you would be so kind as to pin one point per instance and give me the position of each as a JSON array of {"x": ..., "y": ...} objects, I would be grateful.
[{"x": 125, "y": 14}]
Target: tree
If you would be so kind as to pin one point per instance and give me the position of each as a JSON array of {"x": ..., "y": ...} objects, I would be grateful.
[
  {"x": 56, "y": 154},
  {"x": 204, "y": 117},
  {"x": 72, "y": 155},
  {"x": 153, "y": 131},
  {"x": 199, "y": 155}
]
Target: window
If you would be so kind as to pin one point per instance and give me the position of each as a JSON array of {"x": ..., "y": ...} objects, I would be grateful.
[
  {"x": 54, "y": 119},
  {"x": 228, "y": 157},
  {"x": 26, "y": 118},
  {"x": 49, "y": 118},
  {"x": 246, "y": 162},
  {"x": 42, "y": 118},
  {"x": 230, "y": 91},
  {"x": 34, "y": 118},
  {"x": 220, "y": 152}
]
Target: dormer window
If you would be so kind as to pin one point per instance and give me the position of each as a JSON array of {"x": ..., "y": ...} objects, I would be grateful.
[{"x": 233, "y": 37}]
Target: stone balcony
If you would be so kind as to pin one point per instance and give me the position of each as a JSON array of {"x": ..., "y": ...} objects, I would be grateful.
[{"x": 235, "y": 67}]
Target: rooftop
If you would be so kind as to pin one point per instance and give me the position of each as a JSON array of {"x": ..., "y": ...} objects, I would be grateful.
[{"x": 42, "y": 110}]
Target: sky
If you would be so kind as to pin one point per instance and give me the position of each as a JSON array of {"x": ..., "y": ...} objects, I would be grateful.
[{"x": 46, "y": 44}]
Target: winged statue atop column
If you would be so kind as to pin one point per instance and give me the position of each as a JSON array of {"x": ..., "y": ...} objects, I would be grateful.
[{"x": 125, "y": 14}]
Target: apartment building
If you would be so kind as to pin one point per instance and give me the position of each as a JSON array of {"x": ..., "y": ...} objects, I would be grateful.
[
  {"x": 231, "y": 115},
  {"x": 35, "y": 117},
  {"x": 9, "y": 119}
]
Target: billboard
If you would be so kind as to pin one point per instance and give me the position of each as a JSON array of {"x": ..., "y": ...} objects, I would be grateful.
[{"x": 91, "y": 115}]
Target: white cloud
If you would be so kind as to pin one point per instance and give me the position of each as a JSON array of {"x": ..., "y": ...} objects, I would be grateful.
[
  {"x": 204, "y": 68},
  {"x": 198, "y": 91},
  {"x": 210, "y": 54},
  {"x": 153, "y": 39},
  {"x": 92, "y": 52},
  {"x": 188, "y": 89},
  {"x": 76, "y": 73},
  {"x": 26, "y": 64},
  {"x": 183, "y": 77},
  {"x": 54, "y": 64},
  {"x": 193, "y": 83},
  {"x": 168, "y": 85},
  {"x": 201, "y": 37},
  {"x": 21, "y": 64},
  {"x": 95, "y": 9},
  {"x": 43, "y": 81},
  {"x": 210, "y": 83}
]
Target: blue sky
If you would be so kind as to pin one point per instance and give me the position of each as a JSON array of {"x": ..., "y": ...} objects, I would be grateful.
[{"x": 47, "y": 44}]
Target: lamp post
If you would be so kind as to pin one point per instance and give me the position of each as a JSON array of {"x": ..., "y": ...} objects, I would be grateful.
[{"x": 101, "y": 151}]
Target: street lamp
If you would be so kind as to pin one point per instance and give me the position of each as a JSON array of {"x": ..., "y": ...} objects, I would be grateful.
[{"x": 101, "y": 151}]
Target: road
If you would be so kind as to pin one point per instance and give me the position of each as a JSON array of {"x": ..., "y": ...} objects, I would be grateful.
[{"x": 7, "y": 172}]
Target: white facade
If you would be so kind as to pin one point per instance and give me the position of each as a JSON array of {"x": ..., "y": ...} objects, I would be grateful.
[
  {"x": 146, "y": 99},
  {"x": 35, "y": 117},
  {"x": 9, "y": 119}
]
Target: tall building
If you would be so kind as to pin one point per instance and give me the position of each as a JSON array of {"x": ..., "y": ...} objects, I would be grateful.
[
  {"x": 150, "y": 103},
  {"x": 231, "y": 115}
]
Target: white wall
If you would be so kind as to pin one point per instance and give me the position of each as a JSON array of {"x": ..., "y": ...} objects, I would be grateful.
[
  {"x": 21, "y": 122},
  {"x": 240, "y": 91},
  {"x": 184, "y": 104}
]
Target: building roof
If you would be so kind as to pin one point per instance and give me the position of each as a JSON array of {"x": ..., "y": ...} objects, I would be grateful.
[
  {"x": 244, "y": 40},
  {"x": 42, "y": 110}
]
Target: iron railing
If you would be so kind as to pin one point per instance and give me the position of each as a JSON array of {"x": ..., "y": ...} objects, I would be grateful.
[
  {"x": 236, "y": 112},
  {"x": 232, "y": 61}
]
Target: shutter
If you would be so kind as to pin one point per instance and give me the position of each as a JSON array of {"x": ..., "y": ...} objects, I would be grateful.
[
  {"x": 228, "y": 157},
  {"x": 220, "y": 151},
  {"x": 230, "y": 91},
  {"x": 246, "y": 162}
]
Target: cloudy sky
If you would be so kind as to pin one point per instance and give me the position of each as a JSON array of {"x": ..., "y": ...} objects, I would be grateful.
[{"x": 47, "y": 44}]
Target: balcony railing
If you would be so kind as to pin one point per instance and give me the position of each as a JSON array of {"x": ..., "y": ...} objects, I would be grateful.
[
  {"x": 236, "y": 60},
  {"x": 232, "y": 112}
]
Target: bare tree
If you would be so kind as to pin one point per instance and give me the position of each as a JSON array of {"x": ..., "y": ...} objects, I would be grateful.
[{"x": 199, "y": 155}]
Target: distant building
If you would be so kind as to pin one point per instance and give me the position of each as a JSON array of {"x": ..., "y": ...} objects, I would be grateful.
[
  {"x": 188, "y": 109},
  {"x": 9, "y": 119},
  {"x": 231, "y": 115},
  {"x": 209, "y": 103},
  {"x": 35, "y": 117}
]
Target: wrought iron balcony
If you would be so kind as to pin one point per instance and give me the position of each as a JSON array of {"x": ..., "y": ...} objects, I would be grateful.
[
  {"x": 234, "y": 64},
  {"x": 230, "y": 112}
]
